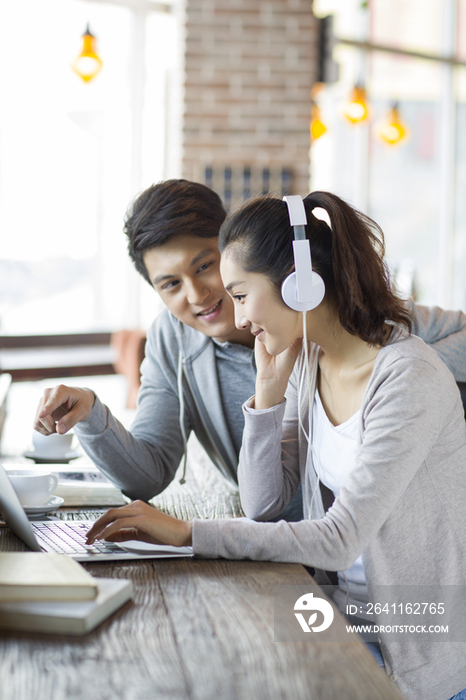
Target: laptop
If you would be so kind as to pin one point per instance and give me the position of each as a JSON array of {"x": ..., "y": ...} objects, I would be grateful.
[{"x": 69, "y": 537}]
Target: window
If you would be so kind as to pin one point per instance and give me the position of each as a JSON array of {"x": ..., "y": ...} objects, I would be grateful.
[
  {"x": 73, "y": 155},
  {"x": 412, "y": 190}
]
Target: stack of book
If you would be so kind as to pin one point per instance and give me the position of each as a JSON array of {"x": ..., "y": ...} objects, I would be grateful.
[{"x": 52, "y": 593}]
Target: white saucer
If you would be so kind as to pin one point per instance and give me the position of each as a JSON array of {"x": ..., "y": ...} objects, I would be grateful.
[
  {"x": 45, "y": 459},
  {"x": 53, "y": 503}
]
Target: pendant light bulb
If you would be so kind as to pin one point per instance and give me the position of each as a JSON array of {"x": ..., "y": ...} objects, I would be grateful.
[
  {"x": 392, "y": 131},
  {"x": 88, "y": 63},
  {"x": 317, "y": 126},
  {"x": 356, "y": 110}
]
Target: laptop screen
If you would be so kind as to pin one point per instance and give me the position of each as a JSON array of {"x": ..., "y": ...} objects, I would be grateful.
[{"x": 13, "y": 512}]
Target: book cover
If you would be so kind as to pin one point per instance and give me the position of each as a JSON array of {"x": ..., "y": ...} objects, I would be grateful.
[
  {"x": 43, "y": 576},
  {"x": 67, "y": 617}
]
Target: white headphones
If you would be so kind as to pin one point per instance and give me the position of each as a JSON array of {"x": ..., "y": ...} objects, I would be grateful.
[{"x": 304, "y": 289}]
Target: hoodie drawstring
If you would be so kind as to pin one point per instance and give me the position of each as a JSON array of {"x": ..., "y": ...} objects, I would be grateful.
[{"x": 181, "y": 415}]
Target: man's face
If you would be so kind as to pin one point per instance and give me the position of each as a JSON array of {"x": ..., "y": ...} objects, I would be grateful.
[{"x": 185, "y": 272}]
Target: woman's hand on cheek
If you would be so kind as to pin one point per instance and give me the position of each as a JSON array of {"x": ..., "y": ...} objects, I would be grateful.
[
  {"x": 140, "y": 521},
  {"x": 273, "y": 373}
]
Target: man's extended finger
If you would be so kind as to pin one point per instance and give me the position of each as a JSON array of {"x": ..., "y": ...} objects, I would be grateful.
[
  {"x": 56, "y": 398},
  {"x": 46, "y": 425}
]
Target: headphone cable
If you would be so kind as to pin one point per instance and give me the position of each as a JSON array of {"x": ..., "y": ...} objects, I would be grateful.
[{"x": 317, "y": 465}]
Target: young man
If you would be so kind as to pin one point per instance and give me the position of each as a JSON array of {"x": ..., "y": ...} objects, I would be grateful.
[{"x": 198, "y": 369}]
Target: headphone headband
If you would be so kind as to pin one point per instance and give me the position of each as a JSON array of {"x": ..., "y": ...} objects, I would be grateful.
[
  {"x": 304, "y": 289},
  {"x": 296, "y": 210}
]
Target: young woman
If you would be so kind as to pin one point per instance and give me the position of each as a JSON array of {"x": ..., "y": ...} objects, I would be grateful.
[{"x": 364, "y": 415}]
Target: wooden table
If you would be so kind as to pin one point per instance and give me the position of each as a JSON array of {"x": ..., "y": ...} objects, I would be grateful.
[{"x": 196, "y": 629}]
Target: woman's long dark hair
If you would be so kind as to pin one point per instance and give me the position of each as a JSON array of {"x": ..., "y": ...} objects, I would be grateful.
[{"x": 349, "y": 257}]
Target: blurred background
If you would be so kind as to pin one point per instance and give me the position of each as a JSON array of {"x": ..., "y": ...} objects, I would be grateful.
[{"x": 365, "y": 99}]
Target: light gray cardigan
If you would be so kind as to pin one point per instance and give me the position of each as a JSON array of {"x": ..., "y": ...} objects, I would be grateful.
[{"x": 403, "y": 507}]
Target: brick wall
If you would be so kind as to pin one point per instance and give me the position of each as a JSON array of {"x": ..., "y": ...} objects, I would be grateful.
[{"x": 249, "y": 68}]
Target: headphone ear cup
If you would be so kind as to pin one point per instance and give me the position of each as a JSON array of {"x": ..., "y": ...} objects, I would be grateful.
[{"x": 290, "y": 293}]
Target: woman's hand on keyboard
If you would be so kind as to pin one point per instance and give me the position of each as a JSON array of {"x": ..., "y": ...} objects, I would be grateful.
[
  {"x": 140, "y": 521},
  {"x": 61, "y": 408}
]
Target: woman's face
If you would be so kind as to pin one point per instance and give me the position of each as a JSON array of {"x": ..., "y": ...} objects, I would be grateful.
[{"x": 259, "y": 307}]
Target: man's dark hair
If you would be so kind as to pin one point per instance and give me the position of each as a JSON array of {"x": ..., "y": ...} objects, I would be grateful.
[{"x": 166, "y": 210}]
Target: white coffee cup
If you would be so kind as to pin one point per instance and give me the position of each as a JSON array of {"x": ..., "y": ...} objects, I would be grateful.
[
  {"x": 33, "y": 487},
  {"x": 54, "y": 446}
]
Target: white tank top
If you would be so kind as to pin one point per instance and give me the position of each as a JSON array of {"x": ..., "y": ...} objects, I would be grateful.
[{"x": 335, "y": 447}]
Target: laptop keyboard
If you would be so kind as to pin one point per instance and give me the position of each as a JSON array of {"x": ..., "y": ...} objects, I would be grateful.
[{"x": 67, "y": 538}]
